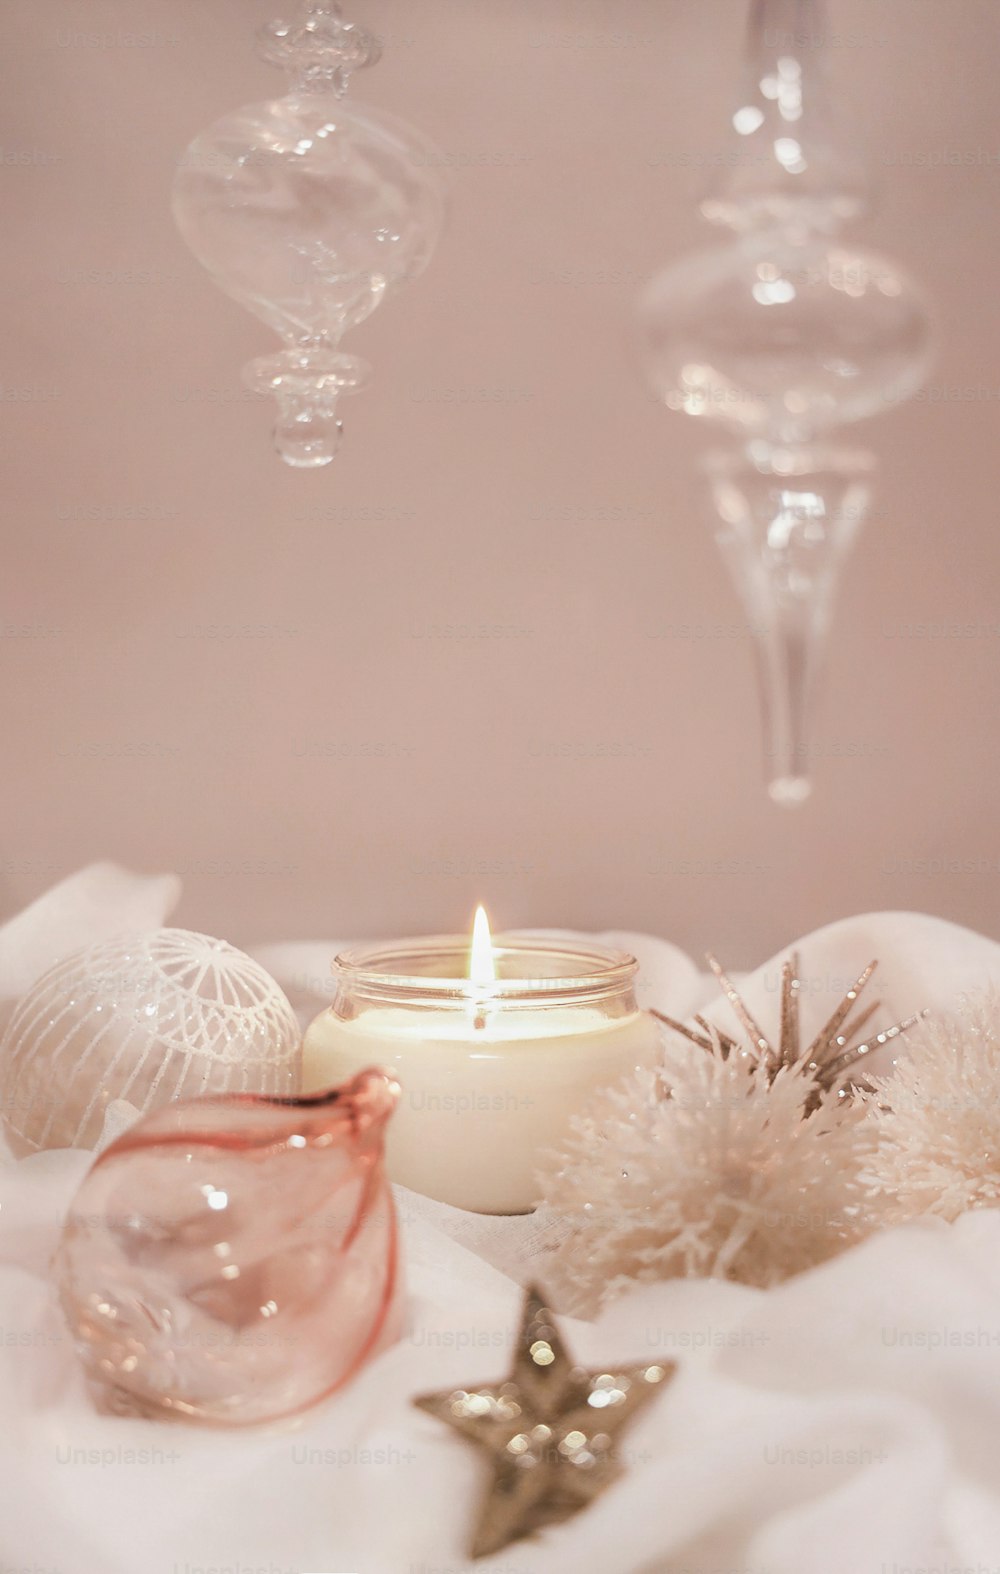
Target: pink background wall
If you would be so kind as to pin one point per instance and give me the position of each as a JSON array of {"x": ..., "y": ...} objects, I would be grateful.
[{"x": 347, "y": 767}]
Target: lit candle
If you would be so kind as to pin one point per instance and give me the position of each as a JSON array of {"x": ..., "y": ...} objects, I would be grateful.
[
  {"x": 482, "y": 967},
  {"x": 496, "y": 1043}
]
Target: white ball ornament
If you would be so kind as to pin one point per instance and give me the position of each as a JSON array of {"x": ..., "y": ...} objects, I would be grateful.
[{"x": 146, "y": 1018}]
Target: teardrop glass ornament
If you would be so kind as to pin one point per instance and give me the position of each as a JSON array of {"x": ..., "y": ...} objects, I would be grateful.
[
  {"x": 769, "y": 338},
  {"x": 233, "y": 1260},
  {"x": 780, "y": 337},
  {"x": 786, "y": 521},
  {"x": 309, "y": 211},
  {"x": 790, "y": 163}
]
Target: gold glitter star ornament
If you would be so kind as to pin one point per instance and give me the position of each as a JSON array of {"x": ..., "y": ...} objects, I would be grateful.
[{"x": 549, "y": 1430}]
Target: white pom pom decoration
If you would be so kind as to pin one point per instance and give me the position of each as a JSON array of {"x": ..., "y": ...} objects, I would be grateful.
[{"x": 146, "y": 1018}]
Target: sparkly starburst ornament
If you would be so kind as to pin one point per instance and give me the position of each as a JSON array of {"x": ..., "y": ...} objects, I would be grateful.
[
  {"x": 834, "y": 1054},
  {"x": 549, "y": 1429},
  {"x": 744, "y": 1161}
]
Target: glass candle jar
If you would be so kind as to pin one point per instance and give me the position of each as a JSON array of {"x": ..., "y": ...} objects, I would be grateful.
[{"x": 491, "y": 1071}]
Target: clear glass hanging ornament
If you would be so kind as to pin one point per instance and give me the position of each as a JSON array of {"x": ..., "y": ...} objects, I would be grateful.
[
  {"x": 308, "y": 211},
  {"x": 789, "y": 161},
  {"x": 787, "y": 518},
  {"x": 777, "y": 339}
]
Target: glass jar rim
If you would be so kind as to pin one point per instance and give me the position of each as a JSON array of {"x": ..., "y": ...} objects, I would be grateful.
[{"x": 579, "y": 971}]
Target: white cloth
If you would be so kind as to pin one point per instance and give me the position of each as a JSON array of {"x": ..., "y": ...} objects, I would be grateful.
[{"x": 845, "y": 1423}]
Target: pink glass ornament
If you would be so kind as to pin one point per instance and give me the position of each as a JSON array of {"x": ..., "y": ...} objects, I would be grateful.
[{"x": 234, "y": 1260}]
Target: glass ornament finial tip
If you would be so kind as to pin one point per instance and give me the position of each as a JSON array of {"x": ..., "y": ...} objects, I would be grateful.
[{"x": 789, "y": 791}]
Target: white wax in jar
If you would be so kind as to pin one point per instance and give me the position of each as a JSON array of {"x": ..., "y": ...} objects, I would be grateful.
[{"x": 479, "y": 1103}]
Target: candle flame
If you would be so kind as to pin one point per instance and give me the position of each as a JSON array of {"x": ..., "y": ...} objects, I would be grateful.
[{"x": 482, "y": 964}]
